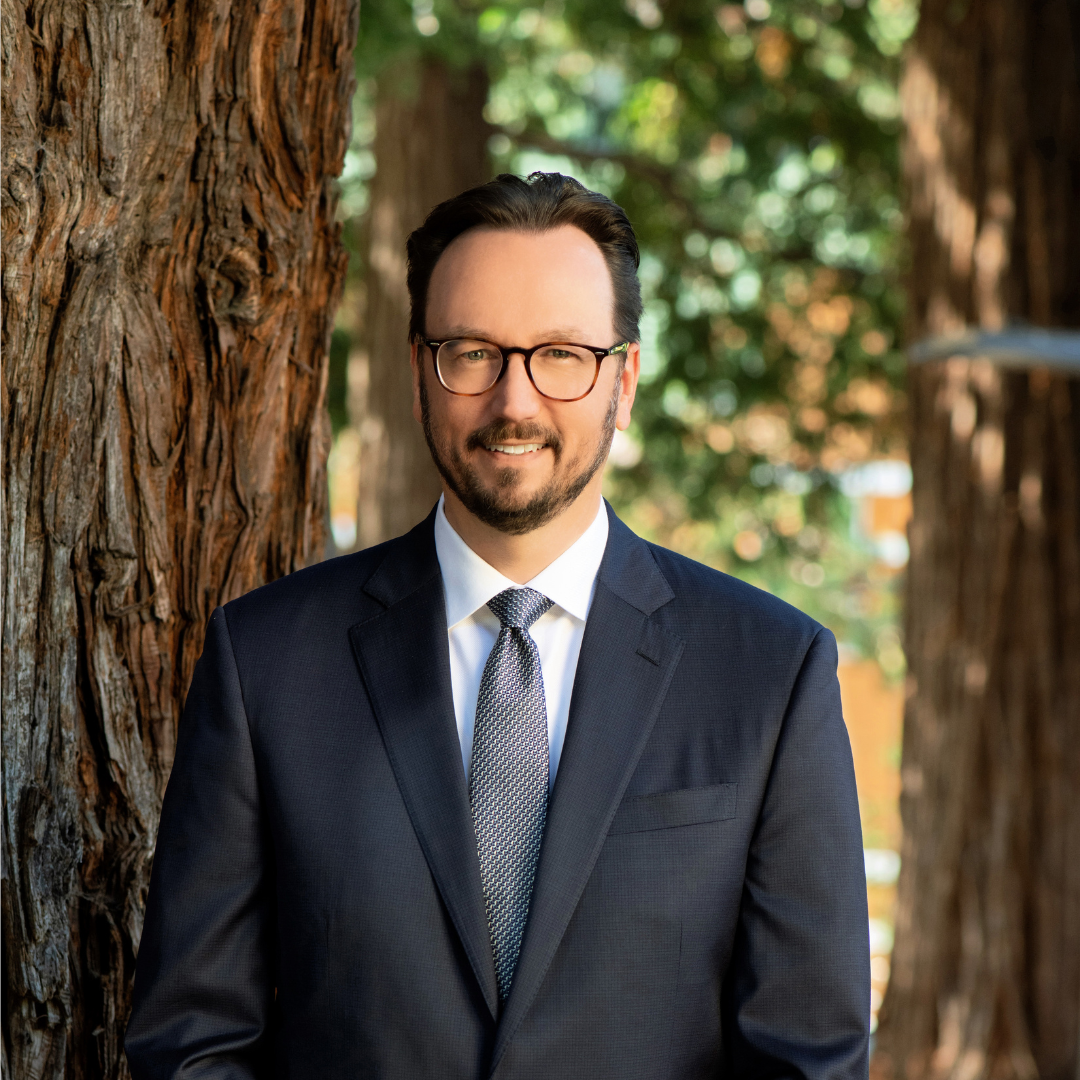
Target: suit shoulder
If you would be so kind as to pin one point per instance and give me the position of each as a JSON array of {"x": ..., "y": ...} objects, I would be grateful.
[{"x": 698, "y": 587}]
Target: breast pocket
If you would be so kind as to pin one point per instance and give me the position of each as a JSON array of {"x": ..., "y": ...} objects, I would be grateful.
[{"x": 674, "y": 809}]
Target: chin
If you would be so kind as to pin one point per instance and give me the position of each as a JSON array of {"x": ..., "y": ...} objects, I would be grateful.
[
  {"x": 517, "y": 482},
  {"x": 510, "y": 477},
  {"x": 511, "y": 493}
]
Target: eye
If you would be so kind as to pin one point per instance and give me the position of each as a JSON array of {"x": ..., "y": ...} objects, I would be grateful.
[
  {"x": 473, "y": 352},
  {"x": 562, "y": 354}
]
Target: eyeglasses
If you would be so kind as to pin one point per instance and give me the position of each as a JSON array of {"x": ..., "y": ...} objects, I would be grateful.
[{"x": 562, "y": 371}]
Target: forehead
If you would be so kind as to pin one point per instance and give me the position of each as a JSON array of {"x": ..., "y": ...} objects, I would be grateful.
[{"x": 514, "y": 283}]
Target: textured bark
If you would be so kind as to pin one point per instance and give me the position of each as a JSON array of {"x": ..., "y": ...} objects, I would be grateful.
[
  {"x": 986, "y": 968},
  {"x": 430, "y": 144},
  {"x": 171, "y": 265}
]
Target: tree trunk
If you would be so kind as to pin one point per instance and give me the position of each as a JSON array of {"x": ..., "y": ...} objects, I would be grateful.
[
  {"x": 430, "y": 144},
  {"x": 171, "y": 265},
  {"x": 986, "y": 968}
]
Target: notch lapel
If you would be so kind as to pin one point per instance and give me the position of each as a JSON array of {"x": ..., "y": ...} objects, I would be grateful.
[
  {"x": 626, "y": 663},
  {"x": 404, "y": 660}
]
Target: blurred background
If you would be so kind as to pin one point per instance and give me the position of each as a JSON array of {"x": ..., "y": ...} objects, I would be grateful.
[{"x": 756, "y": 150}]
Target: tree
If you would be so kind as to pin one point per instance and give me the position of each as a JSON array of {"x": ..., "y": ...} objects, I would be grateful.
[
  {"x": 430, "y": 144},
  {"x": 171, "y": 264},
  {"x": 986, "y": 967}
]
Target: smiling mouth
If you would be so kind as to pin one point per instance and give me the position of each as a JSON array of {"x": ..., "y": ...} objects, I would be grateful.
[{"x": 514, "y": 448}]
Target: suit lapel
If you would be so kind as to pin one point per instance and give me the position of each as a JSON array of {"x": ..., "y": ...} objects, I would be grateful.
[
  {"x": 623, "y": 672},
  {"x": 404, "y": 660}
]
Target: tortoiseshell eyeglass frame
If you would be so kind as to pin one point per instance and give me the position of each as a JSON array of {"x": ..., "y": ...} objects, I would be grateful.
[{"x": 509, "y": 350}]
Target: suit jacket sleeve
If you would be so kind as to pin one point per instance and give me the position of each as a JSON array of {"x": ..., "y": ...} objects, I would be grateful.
[
  {"x": 204, "y": 982},
  {"x": 797, "y": 992}
]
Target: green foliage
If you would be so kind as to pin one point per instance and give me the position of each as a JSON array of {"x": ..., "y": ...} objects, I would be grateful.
[
  {"x": 337, "y": 388},
  {"x": 755, "y": 149}
]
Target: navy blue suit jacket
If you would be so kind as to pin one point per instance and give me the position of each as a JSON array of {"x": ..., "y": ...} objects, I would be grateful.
[{"x": 316, "y": 909}]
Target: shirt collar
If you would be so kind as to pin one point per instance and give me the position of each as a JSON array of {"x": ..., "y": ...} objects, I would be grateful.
[{"x": 469, "y": 582}]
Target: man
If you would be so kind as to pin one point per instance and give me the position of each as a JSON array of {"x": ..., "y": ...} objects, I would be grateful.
[{"x": 517, "y": 794}]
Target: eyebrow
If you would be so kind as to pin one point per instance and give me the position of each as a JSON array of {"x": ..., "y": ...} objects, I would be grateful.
[{"x": 556, "y": 335}]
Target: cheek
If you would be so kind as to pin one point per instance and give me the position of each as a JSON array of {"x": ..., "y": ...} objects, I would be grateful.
[
  {"x": 452, "y": 418},
  {"x": 581, "y": 436}
]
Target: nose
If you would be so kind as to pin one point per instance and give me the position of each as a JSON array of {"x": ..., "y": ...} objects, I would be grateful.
[{"x": 514, "y": 395}]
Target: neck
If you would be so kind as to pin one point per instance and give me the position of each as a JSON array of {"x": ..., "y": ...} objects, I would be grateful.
[{"x": 521, "y": 558}]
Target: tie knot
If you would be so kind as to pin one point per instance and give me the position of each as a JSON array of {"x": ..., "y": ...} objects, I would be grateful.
[{"x": 519, "y": 608}]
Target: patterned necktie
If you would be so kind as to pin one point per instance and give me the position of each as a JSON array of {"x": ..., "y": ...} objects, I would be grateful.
[{"x": 508, "y": 778}]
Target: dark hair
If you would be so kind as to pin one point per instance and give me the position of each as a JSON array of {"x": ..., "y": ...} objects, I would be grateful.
[{"x": 543, "y": 201}]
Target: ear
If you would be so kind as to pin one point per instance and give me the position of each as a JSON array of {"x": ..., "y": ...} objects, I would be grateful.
[
  {"x": 628, "y": 385},
  {"x": 415, "y": 362}
]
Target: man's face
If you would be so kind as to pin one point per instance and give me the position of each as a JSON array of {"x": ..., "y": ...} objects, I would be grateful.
[{"x": 514, "y": 458}]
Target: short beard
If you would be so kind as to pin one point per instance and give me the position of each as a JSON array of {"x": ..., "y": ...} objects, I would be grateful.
[{"x": 486, "y": 505}]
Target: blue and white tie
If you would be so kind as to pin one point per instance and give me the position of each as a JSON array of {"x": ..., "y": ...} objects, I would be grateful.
[{"x": 508, "y": 777}]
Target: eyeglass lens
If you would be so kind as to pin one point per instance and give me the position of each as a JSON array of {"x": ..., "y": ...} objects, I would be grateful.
[{"x": 559, "y": 371}]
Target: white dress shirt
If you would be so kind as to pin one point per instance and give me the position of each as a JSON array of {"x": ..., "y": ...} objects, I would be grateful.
[{"x": 469, "y": 583}]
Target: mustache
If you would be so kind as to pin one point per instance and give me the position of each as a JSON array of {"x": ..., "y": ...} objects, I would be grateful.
[{"x": 504, "y": 431}]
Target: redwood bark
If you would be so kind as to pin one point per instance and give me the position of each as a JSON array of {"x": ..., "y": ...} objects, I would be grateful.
[
  {"x": 430, "y": 144},
  {"x": 171, "y": 265},
  {"x": 986, "y": 967}
]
